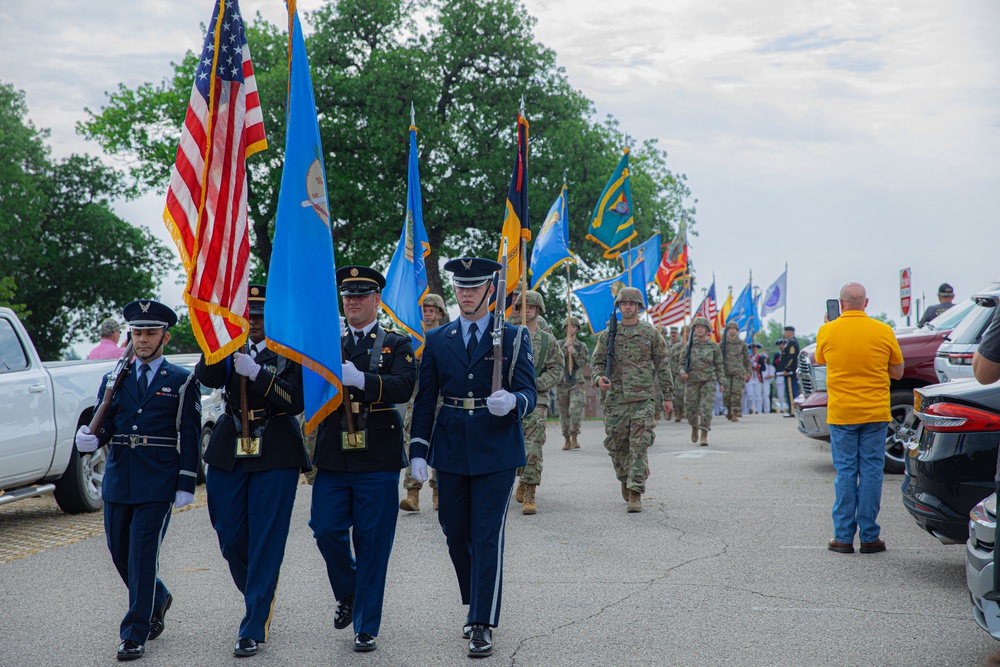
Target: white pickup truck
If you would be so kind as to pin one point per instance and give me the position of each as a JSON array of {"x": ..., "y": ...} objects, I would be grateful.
[{"x": 41, "y": 407}]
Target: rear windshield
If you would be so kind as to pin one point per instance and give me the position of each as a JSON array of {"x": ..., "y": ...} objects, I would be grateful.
[
  {"x": 950, "y": 318},
  {"x": 970, "y": 329}
]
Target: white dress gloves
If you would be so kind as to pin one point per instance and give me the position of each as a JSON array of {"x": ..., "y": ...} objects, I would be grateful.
[
  {"x": 245, "y": 365},
  {"x": 182, "y": 499},
  {"x": 85, "y": 441},
  {"x": 500, "y": 402},
  {"x": 418, "y": 468},
  {"x": 351, "y": 376}
]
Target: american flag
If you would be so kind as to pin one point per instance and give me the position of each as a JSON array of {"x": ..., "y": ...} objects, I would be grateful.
[
  {"x": 206, "y": 209},
  {"x": 671, "y": 310},
  {"x": 708, "y": 307}
]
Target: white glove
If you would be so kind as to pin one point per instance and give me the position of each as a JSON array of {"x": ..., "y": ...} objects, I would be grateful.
[
  {"x": 183, "y": 499},
  {"x": 500, "y": 402},
  {"x": 342, "y": 326},
  {"x": 418, "y": 468},
  {"x": 86, "y": 442},
  {"x": 351, "y": 376},
  {"x": 245, "y": 365}
]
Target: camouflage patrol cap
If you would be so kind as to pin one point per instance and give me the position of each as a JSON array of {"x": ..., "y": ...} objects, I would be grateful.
[
  {"x": 629, "y": 294},
  {"x": 435, "y": 300},
  {"x": 702, "y": 322}
]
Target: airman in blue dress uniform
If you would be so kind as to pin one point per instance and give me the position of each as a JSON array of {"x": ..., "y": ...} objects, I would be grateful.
[
  {"x": 152, "y": 428},
  {"x": 357, "y": 477},
  {"x": 475, "y": 442},
  {"x": 251, "y": 492}
]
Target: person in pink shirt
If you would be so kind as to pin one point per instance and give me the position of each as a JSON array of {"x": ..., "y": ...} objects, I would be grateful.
[{"x": 110, "y": 331}]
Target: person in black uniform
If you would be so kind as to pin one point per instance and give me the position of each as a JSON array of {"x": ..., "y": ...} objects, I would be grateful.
[
  {"x": 357, "y": 475},
  {"x": 152, "y": 428},
  {"x": 787, "y": 366},
  {"x": 251, "y": 490},
  {"x": 475, "y": 441}
]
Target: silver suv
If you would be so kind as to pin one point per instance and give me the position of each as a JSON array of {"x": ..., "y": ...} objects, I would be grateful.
[{"x": 954, "y": 358}]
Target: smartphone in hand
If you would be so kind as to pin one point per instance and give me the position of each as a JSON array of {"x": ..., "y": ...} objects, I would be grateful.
[{"x": 832, "y": 309}]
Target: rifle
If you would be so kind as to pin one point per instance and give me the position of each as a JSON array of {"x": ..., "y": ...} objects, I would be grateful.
[
  {"x": 687, "y": 357},
  {"x": 612, "y": 334},
  {"x": 115, "y": 379},
  {"x": 499, "y": 314}
]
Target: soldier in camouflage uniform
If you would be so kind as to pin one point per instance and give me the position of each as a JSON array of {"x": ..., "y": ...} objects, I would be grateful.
[
  {"x": 675, "y": 346},
  {"x": 639, "y": 361},
  {"x": 736, "y": 362},
  {"x": 569, "y": 392},
  {"x": 434, "y": 314},
  {"x": 701, "y": 367},
  {"x": 548, "y": 370}
]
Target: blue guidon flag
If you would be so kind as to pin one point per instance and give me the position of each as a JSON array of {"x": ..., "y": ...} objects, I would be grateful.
[
  {"x": 598, "y": 298},
  {"x": 301, "y": 315}
]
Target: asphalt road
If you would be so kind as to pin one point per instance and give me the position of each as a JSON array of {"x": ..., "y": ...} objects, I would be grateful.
[{"x": 726, "y": 565}]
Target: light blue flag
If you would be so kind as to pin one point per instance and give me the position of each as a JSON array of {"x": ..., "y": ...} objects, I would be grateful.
[
  {"x": 598, "y": 299},
  {"x": 551, "y": 248},
  {"x": 613, "y": 225},
  {"x": 744, "y": 313},
  {"x": 406, "y": 279},
  {"x": 301, "y": 313},
  {"x": 649, "y": 253},
  {"x": 774, "y": 296}
]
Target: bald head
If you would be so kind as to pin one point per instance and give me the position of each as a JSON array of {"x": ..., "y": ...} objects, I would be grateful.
[{"x": 853, "y": 297}]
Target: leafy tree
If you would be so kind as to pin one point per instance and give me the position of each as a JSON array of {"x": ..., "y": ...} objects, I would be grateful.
[
  {"x": 71, "y": 258},
  {"x": 182, "y": 338},
  {"x": 464, "y": 67},
  {"x": 884, "y": 317},
  {"x": 8, "y": 288}
]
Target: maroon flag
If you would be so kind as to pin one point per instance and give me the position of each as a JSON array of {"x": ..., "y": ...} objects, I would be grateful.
[{"x": 206, "y": 210}]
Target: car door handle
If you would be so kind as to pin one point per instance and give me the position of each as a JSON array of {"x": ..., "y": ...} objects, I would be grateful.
[{"x": 36, "y": 388}]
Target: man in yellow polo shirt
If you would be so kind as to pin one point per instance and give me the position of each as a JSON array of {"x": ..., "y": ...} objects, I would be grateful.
[{"x": 860, "y": 355}]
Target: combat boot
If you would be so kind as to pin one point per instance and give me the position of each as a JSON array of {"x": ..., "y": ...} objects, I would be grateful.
[
  {"x": 634, "y": 501},
  {"x": 411, "y": 503},
  {"x": 736, "y": 416},
  {"x": 624, "y": 491},
  {"x": 569, "y": 443},
  {"x": 576, "y": 445},
  {"x": 434, "y": 496},
  {"x": 519, "y": 493},
  {"x": 529, "y": 506},
  {"x": 704, "y": 438},
  {"x": 694, "y": 433}
]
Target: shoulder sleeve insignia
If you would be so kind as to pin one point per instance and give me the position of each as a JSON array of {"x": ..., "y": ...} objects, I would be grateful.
[{"x": 409, "y": 359}]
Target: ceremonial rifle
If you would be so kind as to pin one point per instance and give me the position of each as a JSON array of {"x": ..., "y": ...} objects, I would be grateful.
[
  {"x": 115, "y": 379},
  {"x": 612, "y": 334},
  {"x": 687, "y": 357},
  {"x": 499, "y": 314}
]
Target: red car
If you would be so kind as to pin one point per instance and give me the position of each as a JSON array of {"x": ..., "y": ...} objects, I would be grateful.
[{"x": 919, "y": 347}]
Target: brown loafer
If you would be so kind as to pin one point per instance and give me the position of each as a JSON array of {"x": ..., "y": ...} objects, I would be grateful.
[
  {"x": 841, "y": 547},
  {"x": 872, "y": 547}
]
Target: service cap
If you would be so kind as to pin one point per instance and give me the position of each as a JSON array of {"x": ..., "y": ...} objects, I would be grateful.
[
  {"x": 359, "y": 280},
  {"x": 471, "y": 271},
  {"x": 255, "y": 298},
  {"x": 149, "y": 314}
]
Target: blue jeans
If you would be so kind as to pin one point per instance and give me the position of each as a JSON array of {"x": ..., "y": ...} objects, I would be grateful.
[{"x": 859, "y": 457}]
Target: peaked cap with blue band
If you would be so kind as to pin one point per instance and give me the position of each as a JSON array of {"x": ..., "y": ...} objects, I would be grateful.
[
  {"x": 471, "y": 271},
  {"x": 149, "y": 314}
]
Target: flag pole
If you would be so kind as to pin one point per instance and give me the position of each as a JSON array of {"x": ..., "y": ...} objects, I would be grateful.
[
  {"x": 569, "y": 296},
  {"x": 522, "y": 244},
  {"x": 784, "y": 312}
]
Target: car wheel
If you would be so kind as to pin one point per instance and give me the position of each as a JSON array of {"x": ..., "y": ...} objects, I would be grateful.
[
  {"x": 902, "y": 430},
  {"x": 206, "y": 435},
  {"x": 79, "y": 489}
]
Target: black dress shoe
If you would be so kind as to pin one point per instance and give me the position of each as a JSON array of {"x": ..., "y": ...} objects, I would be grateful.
[
  {"x": 130, "y": 650},
  {"x": 345, "y": 612},
  {"x": 245, "y": 647},
  {"x": 481, "y": 643},
  {"x": 467, "y": 631},
  {"x": 156, "y": 623},
  {"x": 364, "y": 642}
]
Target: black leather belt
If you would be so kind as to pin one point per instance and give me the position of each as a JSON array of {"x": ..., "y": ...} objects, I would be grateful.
[
  {"x": 134, "y": 441},
  {"x": 464, "y": 403},
  {"x": 382, "y": 406},
  {"x": 257, "y": 415}
]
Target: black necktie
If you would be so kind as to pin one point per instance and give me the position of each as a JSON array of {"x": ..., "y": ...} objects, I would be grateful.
[
  {"x": 470, "y": 348},
  {"x": 358, "y": 336},
  {"x": 143, "y": 382}
]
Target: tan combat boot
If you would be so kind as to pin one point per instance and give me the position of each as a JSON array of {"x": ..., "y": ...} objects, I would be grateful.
[
  {"x": 411, "y": 503},
  {"x": 434, "y": 496},
  {"x": 519, "y": 493},
  {"x": 576, "y": 445},
  {"x": 704, "y": 438},
  {"x": 624, "y": 491},
  {"x": 694, "y": 433},
  {"x": 634, "y": 501},
  {"x": 569, "y": 443},
  {"x": 529, "y": 506},
  {"x": 736, "y": 415}
]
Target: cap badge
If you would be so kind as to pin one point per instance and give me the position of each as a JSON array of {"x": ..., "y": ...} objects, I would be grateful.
[
  {"x": 467, "y": 263},
  {"x": 145, "y": 306},
  {"x": 254, "y": 291},
  {"x": 354, "y": 273}
]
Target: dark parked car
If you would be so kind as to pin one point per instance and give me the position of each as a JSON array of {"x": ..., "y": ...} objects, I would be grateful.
[{"x": 951, "y": 465}]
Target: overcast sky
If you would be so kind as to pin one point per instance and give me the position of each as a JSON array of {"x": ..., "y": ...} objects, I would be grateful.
[{"x": 850, "y": 139}]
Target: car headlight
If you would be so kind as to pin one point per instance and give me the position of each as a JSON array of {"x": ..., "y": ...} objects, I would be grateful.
[
  {"x": 819, "y": 378},
  {"x": 982, "y": 525}
]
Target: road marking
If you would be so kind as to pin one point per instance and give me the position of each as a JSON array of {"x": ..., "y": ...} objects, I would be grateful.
[
  {"x": 697, "y": 453},
  {"x": 820, "y": 546}
]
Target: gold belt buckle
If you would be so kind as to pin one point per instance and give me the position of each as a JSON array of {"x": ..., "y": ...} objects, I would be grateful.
[
  {"x": 468, "y": 403},
  {"x": 248, "y": 447},
  {"x": 353, "y": 441}
]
